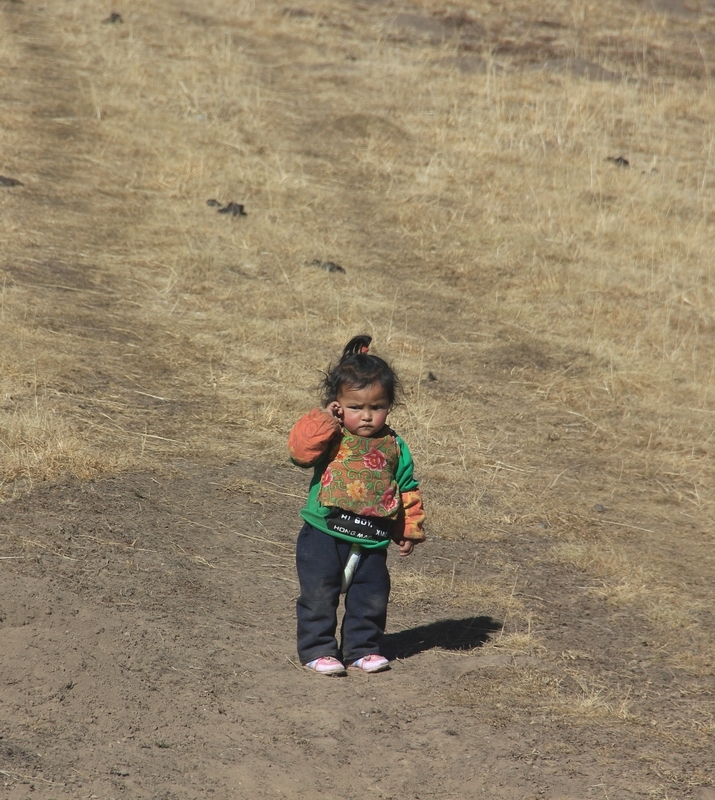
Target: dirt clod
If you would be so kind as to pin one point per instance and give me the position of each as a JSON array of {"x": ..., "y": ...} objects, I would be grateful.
[
  {"x": 5, "y": 181},
  {"x": 234, "y": 209}
]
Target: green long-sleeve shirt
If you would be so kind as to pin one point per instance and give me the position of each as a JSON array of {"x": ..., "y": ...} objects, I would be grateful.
[{"x": 314, "y": 513}]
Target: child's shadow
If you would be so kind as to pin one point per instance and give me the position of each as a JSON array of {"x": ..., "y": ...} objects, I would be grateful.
[{"x": 450, "y": 634}]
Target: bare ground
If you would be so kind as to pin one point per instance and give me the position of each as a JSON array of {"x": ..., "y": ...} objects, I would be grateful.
[
  {"x": 148, "y": 652},
  {"x": 147, "y": 617}
]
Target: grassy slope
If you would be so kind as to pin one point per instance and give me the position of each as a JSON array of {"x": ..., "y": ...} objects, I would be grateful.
[{"x": 563, "y": 303}]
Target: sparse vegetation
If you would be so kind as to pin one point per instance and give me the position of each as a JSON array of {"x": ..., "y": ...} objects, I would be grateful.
[{"x": 550, "y": 311}]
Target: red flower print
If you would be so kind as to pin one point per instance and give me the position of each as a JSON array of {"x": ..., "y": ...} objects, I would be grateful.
[
  {"x": 389, "y": 500},
  {"x": 369, "y": 511},
  {"x": 375, "y": 460},
  {"x": 327, "y": 478}
]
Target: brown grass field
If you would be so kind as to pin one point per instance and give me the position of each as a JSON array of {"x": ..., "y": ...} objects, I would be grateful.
[{"x": 522, "y": 198}]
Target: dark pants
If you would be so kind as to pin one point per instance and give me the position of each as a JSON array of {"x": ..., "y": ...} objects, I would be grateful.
[{"x": 320, "y": 559}]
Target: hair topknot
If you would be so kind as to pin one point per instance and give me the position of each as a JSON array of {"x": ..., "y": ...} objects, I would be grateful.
[
  {"x": 357, "y": 369},
  {"x": 358, "y": 344}
]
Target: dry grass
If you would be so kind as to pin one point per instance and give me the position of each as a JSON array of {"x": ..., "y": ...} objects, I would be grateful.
[
  {"x": 622, "y": 579},
  {"x": 588, "y": 285},
  {"x": 412, "y": 585},
  {"x": 564, "y": 304}
]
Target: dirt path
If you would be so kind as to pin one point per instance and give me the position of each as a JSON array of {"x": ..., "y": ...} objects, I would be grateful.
[{"x": 148, "y": 651}]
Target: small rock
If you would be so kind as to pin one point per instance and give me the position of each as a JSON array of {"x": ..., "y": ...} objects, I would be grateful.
[
  {"x": 619, "y": 161},
  {"x": 431, "y": 376},
  {"x": 9, "y": 181},
  {"x": 123, "y": 772},
  {"x": 599, "y": 508},
  {"x": 213, "y": 203},
  {"x": 113, "y": 19}
]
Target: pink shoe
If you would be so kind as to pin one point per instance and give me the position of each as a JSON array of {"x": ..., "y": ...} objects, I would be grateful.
[
  {"x": 326, "y": 665},
  {"x": 372, "y": 663}
]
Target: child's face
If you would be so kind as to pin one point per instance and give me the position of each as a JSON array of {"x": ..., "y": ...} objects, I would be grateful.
[{"x": 364, "y": 410}]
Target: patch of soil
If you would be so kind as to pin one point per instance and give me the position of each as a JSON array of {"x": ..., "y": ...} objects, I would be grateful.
[{"x": 148, "y": 651}]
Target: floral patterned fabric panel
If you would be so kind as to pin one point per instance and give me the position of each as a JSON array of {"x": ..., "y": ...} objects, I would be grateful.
[{"x": 361, "y": 477}]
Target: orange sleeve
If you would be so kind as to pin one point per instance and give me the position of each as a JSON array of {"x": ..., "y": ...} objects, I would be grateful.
[
  {"x": 410, "y": 522},
  {"x": 312, "y": 435}
]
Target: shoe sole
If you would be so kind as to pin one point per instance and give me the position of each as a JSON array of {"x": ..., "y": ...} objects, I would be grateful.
[
  {"x": 330, "y": 673},
  {"x": 382, "y": 668}
]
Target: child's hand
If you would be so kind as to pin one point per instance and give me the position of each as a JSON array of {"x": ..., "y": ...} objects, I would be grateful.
[
  {"x": 406, "y": 547},
  {"x": 336, "y": 410}
]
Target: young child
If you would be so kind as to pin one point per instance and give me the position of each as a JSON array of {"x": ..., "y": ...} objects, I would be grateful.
[{"x": 363, "y": 494}]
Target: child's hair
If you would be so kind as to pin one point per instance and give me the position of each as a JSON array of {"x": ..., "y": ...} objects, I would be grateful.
[{"x": 357, "y": 369}]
